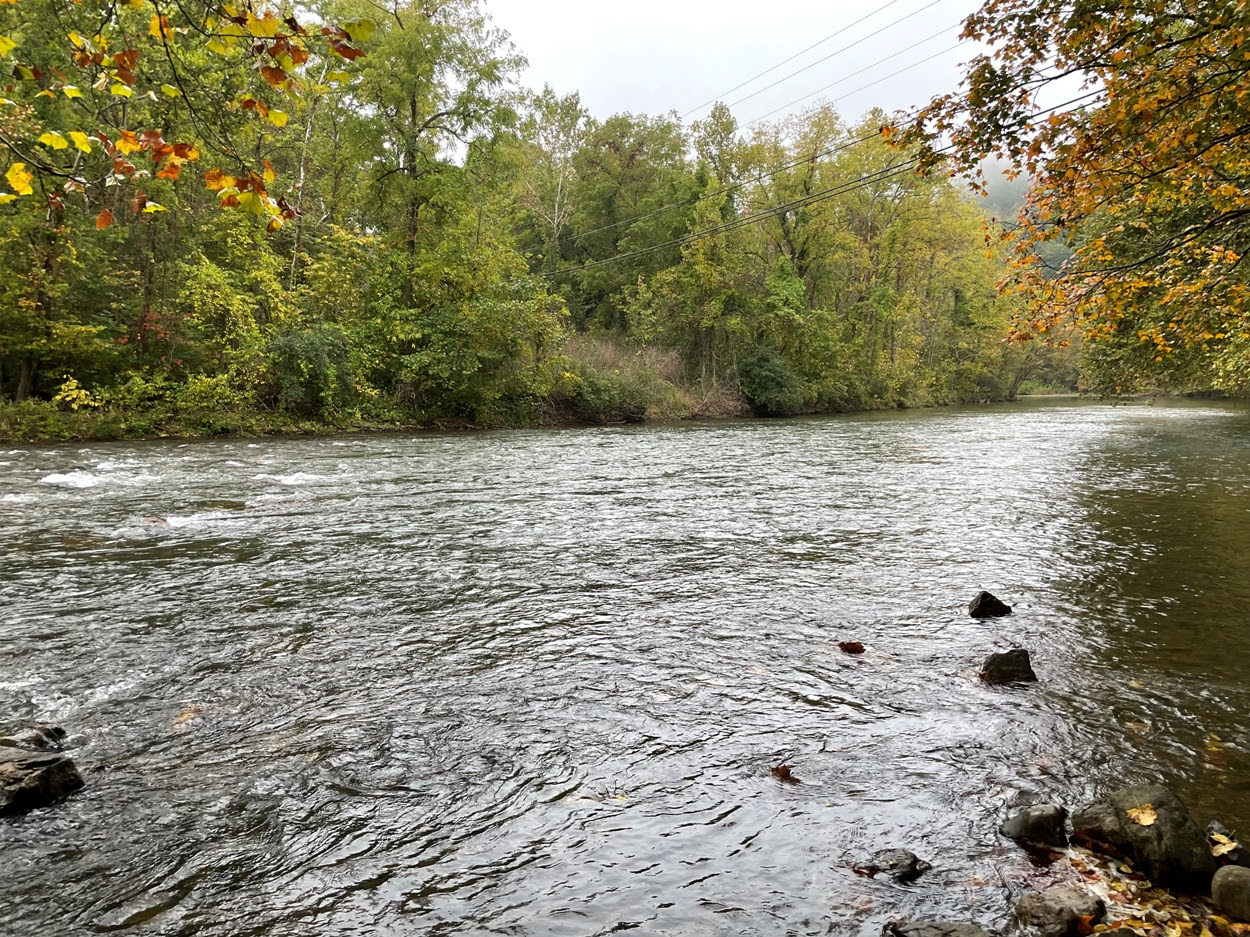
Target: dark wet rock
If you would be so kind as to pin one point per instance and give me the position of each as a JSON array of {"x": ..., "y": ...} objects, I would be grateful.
[
  {"x": 1059, "y": 912},
  {"x": 43, "y": 738},
  {"x": 1008, "y": 667},
  {"x": 1043, "y": 824},
  {"x": 987, "y": 605},
  {"x": 29, "y": 780},
  {"x": 1220, "y": 838},
  {"x": 1162, "y": 842},
  {"x": 1230, "y": 890},
  {"x": 900, "y": 864},
  {"x": 933, "y": 929}
]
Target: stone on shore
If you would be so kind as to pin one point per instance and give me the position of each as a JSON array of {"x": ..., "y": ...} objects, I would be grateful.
[
  {"x": 29, "y": 780},
  {"x": 1043, "y": 824},
  {"x": 1150, "y": 827},
  {"x": 988, "y": 605},
  {"x": 1062, "y": 911},
  {"x": 1008, "y": 667},
  {"x": 1230, "y": 890}
]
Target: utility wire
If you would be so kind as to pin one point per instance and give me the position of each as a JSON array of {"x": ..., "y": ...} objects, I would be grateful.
[
  {"x": 773, "y": 68},
  {"x": 826, "y": 58},
  {"x": 693, "y": 200},
  {"x": 853, "y": 185},
  {"x": 849, "y": 94}
]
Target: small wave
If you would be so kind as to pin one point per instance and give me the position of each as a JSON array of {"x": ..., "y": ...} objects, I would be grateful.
[
  {"x": 74, "y": 479},
  {"x": 17, "y": 499},
  {"x": 297, "y": 478}
]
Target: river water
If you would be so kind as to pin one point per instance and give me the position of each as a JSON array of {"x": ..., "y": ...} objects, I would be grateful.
[{"x": 533, "y": 683}]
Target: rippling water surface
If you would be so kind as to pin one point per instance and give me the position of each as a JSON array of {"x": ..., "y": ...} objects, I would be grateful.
[{"x": 533, "y": 683}]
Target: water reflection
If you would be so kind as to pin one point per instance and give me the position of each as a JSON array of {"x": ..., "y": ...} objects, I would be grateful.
[{"x": 534, "y": 683}]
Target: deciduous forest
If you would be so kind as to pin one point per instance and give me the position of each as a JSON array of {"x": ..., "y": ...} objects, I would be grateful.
[{"x": 225, "y": 218}]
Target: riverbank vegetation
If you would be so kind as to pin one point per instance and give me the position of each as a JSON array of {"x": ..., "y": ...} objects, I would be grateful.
[{"x": 220, "y": 219}]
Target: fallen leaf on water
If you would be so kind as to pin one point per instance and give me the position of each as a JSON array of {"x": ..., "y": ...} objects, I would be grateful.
[
  {"x": 850, "y": 647},
  {"x": 1144, "y": 815},
  {"x": 784, "y": 773}
]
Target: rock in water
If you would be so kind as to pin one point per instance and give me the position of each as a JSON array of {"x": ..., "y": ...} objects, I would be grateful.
[
  {"x": 900, "y": 864},
  {"x": 1059, "y": 912},
  {"x": 1041, "y": 823},
  {"x": 1150, "y": 827},
  {"x": 29, "y": 780},
  {"x": 987, "y": 605},
  {"x": 934, "y": 929},
  {"x": 1230, "y": 890},
  {"x": 44, "y": 737},
  {"x": 1008, "y": 667}
]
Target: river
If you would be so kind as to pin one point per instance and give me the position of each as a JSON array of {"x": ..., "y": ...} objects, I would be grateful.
[{"x": 534, "y": 682}]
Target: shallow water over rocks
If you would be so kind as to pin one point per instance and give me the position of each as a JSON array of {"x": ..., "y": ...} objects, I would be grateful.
[{"x": 534, "y": 683}]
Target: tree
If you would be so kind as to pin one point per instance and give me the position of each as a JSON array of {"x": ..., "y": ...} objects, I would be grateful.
[{"x": 1147, "y": 175}]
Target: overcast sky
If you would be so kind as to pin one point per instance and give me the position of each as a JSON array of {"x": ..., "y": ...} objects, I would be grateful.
[{"x": 656, "y": 56}]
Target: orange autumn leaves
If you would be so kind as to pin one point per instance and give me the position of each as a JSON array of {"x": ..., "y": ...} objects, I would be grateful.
[
  {"x": 120, "y": 73},
  {"x": 1146, "y": 179},
  {"x": 250, "y": 193}
]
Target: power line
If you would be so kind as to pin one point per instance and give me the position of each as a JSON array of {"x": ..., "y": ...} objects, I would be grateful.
[
  {"x": 853, "y": 185},
  {"x": 826, "y": 58},
  {"x": 773, "y": 68},
  {"x": 849, "y": 94},
  {"x": 694, "y": 200}
]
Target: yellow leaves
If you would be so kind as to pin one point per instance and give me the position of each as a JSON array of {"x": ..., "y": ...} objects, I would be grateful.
[
  {"x": 19, "y": 179},
  {"x": 170, "y": 91},
  {"x": 360, "y": 30},
  {"x": 7, "y": 45},
  {"x": 159, "y": 28},
  {"x": 269, "y": 174},
  {"x": 53, "y": 140},
  {"x": 1222, "y": 845},
  {"x": 71, "y": 92},
  {"x": 218, "y": 46},
  {"x": 133, "y": 4},
  {"x": 128, "y": 142},
  {"x": 121, "y": 91},
  {"x": 1144, "y": 815},
  {"x": 264, "y": 28},
  {"x": 277, "y": 118},
  {"x": 152, "y": 208}
]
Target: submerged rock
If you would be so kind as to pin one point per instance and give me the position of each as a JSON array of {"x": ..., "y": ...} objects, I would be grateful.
[
  {"x": 988, "y": 605},
  {"x": 900, "y": 864},
  {"x": 1042, "y": 823},
  {"x": 44, "y": 738},
  {"x": 29, "y": 780},
  {"x": 1230, "y": 890},
  {"x": 1150, "y": 827},
  {"x": 1062, "y": 911},
  {"x": 933, "y": 929},
  {"x": 1008, "y": 667}
]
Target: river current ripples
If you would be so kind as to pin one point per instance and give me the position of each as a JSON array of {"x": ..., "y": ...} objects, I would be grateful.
[{"x": 534, "y": 682}]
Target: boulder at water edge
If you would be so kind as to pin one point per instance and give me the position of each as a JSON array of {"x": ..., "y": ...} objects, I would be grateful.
[
  {"x": 1008, "y": 667},
  {"x": 1150, "y": 827},
  {"x": 987, "y": 605},
  {"x": 1043, "y": 824},
  {"x": 1059, "y": 912},
  {"x": 29, "y": 780},
  {"x": 934, "y": 929},
  {"x": 44, "y": 738},
  {"x": 1230, "y": 890},
  {"x": 901, "y": 865}
]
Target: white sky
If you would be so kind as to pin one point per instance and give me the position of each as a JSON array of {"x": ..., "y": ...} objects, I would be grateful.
[{"x": 654, "y": 56}]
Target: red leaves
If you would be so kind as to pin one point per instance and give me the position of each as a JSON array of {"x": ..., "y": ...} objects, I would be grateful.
[
  {"x": 103, "y": 220},
  {"x": 351, "y": 53},
  {"x": 138, "y": 203},
  {"x": 251, "y": 104}
]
